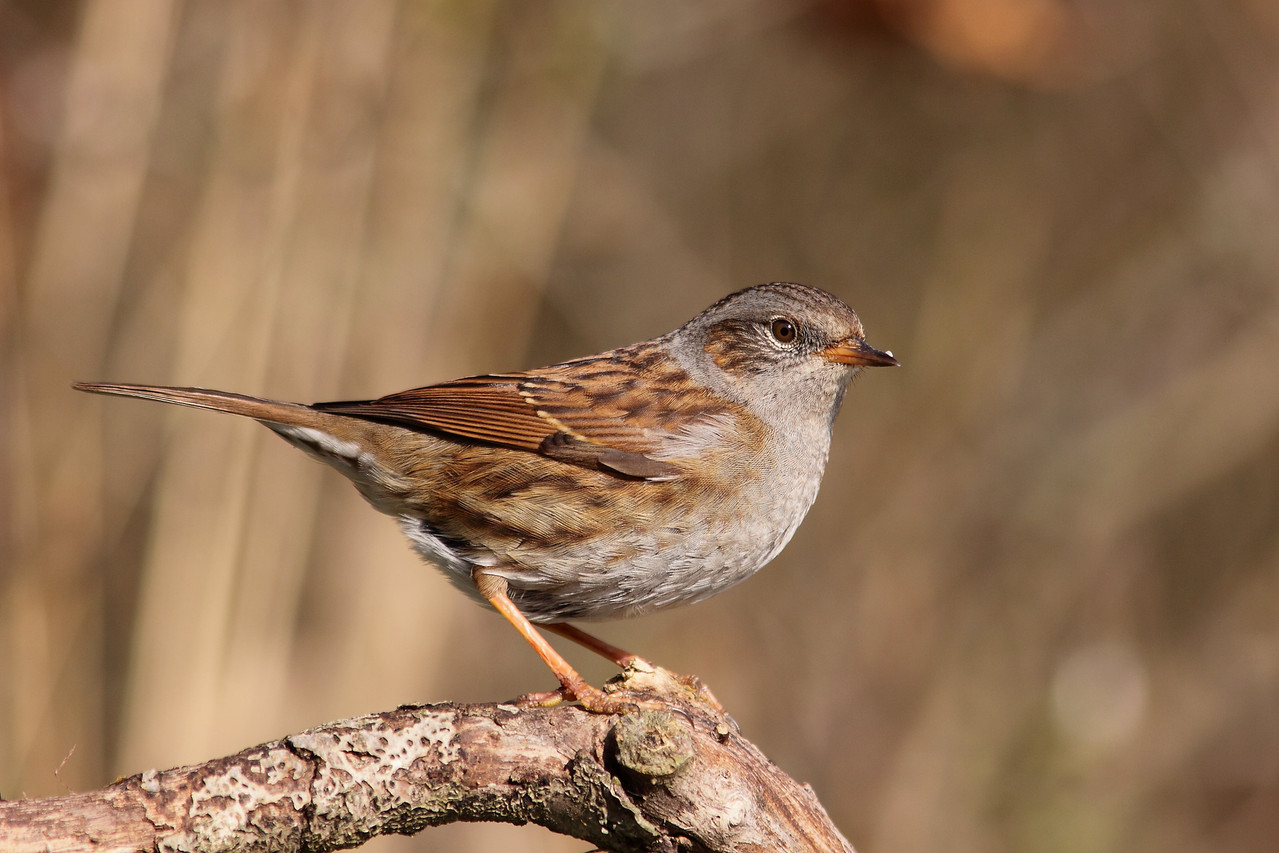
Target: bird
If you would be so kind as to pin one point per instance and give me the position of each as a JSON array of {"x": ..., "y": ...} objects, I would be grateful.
[{"x": 645, "y": 477}]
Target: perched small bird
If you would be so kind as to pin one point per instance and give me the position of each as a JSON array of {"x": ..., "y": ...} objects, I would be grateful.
[{"x": 645, "y": 477}]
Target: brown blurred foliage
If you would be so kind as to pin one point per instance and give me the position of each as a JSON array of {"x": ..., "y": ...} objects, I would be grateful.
[{"x": 1036, "y": 607}]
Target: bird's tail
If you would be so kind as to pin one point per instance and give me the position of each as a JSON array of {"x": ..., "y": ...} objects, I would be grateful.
[{"x": 270, "y": 411}]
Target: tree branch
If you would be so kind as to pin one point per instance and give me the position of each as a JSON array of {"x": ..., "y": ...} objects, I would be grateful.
[{"x": 676, "y": 776}]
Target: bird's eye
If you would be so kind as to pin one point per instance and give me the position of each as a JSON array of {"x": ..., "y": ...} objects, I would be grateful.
[{"x": 784, "y": 331}]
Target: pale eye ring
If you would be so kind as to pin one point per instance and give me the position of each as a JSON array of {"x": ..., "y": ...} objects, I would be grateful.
[{"x": 784, "y": 330}]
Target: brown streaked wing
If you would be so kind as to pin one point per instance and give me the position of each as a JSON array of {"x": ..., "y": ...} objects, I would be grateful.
[
  {"x": 633, "y": 399},
  {"x": 486, "y": 408},
  {"x": 577, "y": 411}
]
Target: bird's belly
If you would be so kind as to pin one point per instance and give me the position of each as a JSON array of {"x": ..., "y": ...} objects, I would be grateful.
[{"x": 607, "y": 559}]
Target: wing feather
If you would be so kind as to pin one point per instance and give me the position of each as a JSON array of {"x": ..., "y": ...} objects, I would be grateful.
[{"x": 600, "y": 412}]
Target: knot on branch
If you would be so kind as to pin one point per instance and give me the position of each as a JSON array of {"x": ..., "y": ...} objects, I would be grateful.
[{"x": 652, "y": 744}]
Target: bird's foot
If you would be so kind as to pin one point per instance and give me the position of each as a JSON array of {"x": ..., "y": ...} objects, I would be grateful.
[
  {"x": 644, "y": 677},
  {"x": 640, "y": 685},
  {"x": 590, "y": 698}
]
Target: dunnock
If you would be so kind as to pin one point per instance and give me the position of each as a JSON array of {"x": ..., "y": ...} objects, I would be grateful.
[{"x": 621, "y": 483}]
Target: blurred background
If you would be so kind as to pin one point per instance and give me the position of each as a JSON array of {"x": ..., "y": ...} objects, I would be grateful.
[{"x": 1036, "y": 607}]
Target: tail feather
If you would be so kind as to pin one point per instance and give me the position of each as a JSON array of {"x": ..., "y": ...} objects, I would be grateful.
[
  {"x": 349, "y": 444},
  {"x": 270, "y": 411}
]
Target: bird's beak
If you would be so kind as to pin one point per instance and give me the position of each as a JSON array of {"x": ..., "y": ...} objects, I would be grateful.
[{"x": 858, "y": 353}]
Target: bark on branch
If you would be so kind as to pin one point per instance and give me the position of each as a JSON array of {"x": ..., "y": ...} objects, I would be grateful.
[{"x": 677, "y": 777}]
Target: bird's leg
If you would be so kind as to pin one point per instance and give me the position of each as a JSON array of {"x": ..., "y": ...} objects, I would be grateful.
[
  {"x": 572, "y": 686},
  {"x": 623, "y": 659}
]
